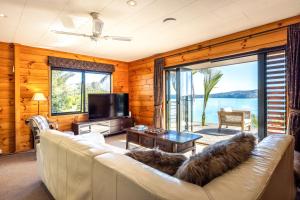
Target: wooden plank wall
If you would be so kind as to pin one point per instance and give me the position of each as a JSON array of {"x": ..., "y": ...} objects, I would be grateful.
[
  {"x": 35, "y": 77},
  {"x": 7, "y": 116},
  {"x": 141, "y": 92},
  {"x": 141, "y": 71},
  {"x": 135, "y": 77}
]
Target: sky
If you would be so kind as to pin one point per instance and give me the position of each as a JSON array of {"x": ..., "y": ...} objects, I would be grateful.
[{"x": 241, "y": 76}]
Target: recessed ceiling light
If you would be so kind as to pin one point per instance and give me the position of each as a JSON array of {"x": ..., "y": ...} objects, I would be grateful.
[
  {"x": 169, "y": 20},
  {"x": 132, "y": 2},
  {"x": 2, "y": 15}
]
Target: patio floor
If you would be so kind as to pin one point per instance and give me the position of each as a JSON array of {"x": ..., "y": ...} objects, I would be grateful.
[{"x": 211, "y": 134}]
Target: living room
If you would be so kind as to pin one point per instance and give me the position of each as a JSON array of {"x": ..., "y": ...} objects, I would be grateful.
[{"x": 124, "y": 99}]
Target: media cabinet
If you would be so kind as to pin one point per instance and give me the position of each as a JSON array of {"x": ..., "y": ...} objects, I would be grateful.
[{"x": 103, "y": 126}]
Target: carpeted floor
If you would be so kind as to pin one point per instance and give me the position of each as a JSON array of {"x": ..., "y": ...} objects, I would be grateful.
[{"x": 19, "y": 179}]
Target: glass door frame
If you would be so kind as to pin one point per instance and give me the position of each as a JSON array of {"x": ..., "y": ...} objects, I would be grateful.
[
  {"x": 178, "y": 116},
  {"x": 262, "y": 118}
]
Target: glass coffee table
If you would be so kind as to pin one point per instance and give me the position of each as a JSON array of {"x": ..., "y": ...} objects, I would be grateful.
[{"x": 170, "y": 141}]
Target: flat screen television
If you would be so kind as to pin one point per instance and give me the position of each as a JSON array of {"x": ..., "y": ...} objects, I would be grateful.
[{"x": 107, "y": 105}]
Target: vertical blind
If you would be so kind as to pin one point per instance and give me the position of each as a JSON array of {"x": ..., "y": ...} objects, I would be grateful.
[{"x": 276, "y": 92}]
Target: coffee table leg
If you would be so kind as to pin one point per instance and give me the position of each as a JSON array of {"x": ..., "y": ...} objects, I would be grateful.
[
  {"x": 174, "y": 148},
  {"x": 194, "y": 148},
  {"x": 127, "y": 140}
]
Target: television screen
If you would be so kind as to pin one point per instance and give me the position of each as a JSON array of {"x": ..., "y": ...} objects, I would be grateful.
[{"x": 107, "y": 105}]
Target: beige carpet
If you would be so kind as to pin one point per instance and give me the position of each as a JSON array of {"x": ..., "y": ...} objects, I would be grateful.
[{"x": 19, "y": 179}]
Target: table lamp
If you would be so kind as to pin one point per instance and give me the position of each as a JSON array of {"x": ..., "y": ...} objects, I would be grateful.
[{"x": 39, "y": 97}]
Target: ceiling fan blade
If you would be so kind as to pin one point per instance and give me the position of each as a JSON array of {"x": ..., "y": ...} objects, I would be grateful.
[
  {"x": 70, "y": 33},
  {"x": 119, "y": 38}
]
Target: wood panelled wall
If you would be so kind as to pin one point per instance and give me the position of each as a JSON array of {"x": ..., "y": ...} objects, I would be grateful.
[
  {"x": 141, "y": 71},
  {"x": 141, "y": 91},
  {"x": 7, "y": 116},
  {"x": 33, "y": 75}
]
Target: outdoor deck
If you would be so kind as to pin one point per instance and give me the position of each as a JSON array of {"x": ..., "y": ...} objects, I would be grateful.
[{"x": 211, "y": 134}]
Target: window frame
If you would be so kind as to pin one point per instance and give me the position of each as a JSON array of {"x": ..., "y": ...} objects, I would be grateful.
[{"x": 83, "y": 100}]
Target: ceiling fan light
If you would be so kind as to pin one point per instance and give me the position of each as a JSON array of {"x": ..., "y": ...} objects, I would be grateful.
[
  {"x": 132, "y": 3},
  {"x": 2, "y": 15}
]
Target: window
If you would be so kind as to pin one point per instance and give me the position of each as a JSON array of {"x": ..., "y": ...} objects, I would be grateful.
[
  {"x": 70, "y": 89},
  {"x": 96, "y": 83}
]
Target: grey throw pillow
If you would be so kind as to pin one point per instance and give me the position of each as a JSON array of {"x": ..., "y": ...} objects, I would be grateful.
[
  {"x": 216, "y": 159},
  {"x": 162, "y": 161}
]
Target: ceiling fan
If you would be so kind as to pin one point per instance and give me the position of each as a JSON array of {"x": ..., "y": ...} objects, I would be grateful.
[{"x": 96, "y": 31}]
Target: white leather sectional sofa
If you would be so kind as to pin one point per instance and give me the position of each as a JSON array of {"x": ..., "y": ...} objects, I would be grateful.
[{"x": 84, "y": 167}]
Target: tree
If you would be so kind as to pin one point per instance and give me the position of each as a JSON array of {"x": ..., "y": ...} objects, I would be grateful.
[
  {"x": 254, "y": 121},
  {"x": 64, "y": 97},
  {"x": 211, "y": 79}
]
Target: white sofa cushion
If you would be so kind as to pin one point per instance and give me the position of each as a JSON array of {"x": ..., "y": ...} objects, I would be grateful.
[
  {"x": 67, "y": 163},
  {"x": 119, "y": 177}
]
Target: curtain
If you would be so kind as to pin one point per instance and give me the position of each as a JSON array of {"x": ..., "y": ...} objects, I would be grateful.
[
  {"x": 293, "y": 81},
  {"x": 158, "y": 92},
  {"x": 80, "y": 64}
]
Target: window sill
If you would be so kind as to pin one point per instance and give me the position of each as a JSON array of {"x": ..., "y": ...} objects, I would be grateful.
[{"x": 69, "y": 113}]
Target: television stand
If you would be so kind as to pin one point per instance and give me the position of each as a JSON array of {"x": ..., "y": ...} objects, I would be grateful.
[{"x": 103, "y": 126}]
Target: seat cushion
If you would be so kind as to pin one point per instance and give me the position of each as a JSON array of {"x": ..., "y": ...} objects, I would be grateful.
[{"x": 216, "y": 159}]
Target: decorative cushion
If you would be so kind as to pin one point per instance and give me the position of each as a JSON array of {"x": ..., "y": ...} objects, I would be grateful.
[
  {"x": 40, "y": 123},
  {"x": 216, "y": 159},
  {"x": 162, "y": 161}
]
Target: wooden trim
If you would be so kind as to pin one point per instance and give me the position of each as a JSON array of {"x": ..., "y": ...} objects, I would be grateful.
[
  {"x": 278, "y": 26},
  {"x": 64, "y": 54},
  {"x": 17, "y": 98}
]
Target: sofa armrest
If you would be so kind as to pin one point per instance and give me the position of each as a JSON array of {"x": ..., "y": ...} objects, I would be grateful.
[
  {"x": 53, "y": 125},
  {"x": 120, "y": 177},
  {"x": 267, "y": 174}
]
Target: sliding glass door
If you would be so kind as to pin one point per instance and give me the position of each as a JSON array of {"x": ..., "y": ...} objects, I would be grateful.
[
  {"x": 171, "y": 100},
  {"x": 226, "y": 96},
  {"x": 186, "y": 100},
  {"x": 196, "y": 95},
  {"x": 179, "y": 99}
]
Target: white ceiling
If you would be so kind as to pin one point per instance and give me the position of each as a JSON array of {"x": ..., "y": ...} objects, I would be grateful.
[{"x": 30, "y": 22}]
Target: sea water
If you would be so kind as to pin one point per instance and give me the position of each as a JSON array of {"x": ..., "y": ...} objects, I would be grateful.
[{"x": 215, "y": 104}]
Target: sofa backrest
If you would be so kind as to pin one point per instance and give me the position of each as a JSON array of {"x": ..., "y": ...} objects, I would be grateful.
[
  {"x": 67, "y": 163},
  {"x": 119, "y": 177},
  {"x": 267, "y": 174}
]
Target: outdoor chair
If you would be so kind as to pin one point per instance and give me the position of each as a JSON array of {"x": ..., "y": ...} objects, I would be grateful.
[{"x": 239, "y": 118}]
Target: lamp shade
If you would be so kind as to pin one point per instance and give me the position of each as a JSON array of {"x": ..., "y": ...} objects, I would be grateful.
[{"x": 39, "y": 97}]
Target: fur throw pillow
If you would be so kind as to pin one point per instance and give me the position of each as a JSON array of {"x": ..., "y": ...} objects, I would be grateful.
[
  {"x": 162, "y": 161},
  {"x": 216, "y": 159}
]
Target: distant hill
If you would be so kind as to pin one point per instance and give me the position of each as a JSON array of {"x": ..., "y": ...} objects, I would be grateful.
[{"x": 233, "y": 94}]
